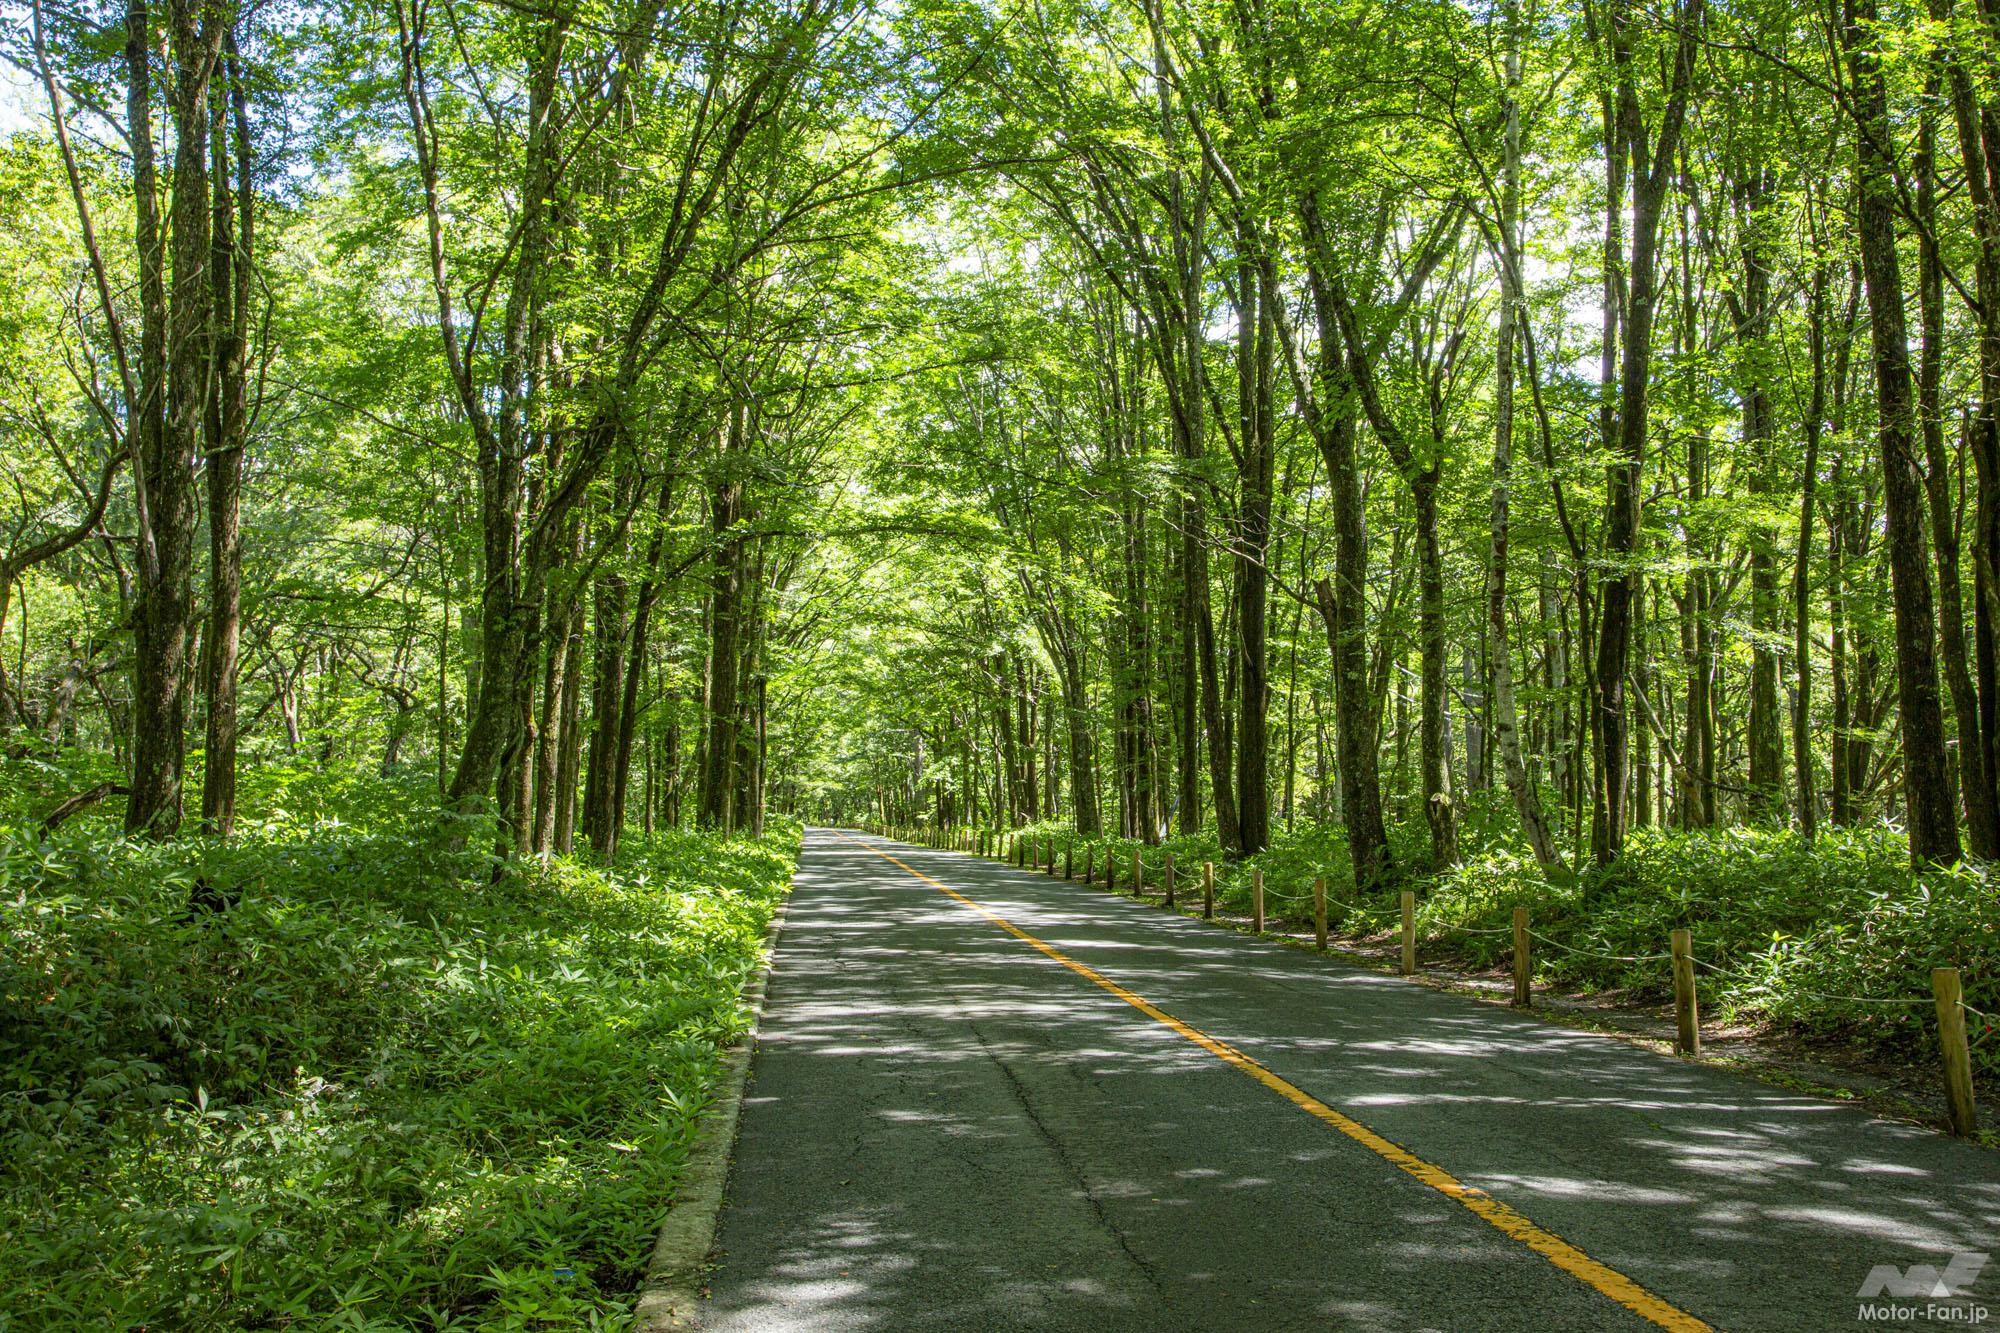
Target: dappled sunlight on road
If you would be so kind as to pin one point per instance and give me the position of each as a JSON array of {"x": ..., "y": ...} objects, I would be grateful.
[{"x": 948, "y": 1129}]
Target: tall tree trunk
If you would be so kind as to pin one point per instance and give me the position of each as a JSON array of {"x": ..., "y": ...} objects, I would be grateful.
[
  {"x": 513, "y": 572},
  {"x": 1642, "y": 731},
  {"x": 1933, "y": 828},
  {"x": 233, "y": 243},
  {"x": 718, "y": 778},
  {"x": 1343, "y": 600},
  {"x": 1255, "y": 357},
  {"x": 1082, "y": 777},
  {"x": 1024, "y": 741},
  {"x": 1439, "y": 811},
  {"x": 606, "y": 699},
  {"x": 178, "y": 334},
  {"x": 1007, "y": 796},
  {"x": 1840, "y": 812},
  {"x": 608, "y": 681},
  {"x": 1979, "y": 150},
  {"x": 1752, "y": 312},
  {"x": 1815, "y": 416},
  {"x": 750, "y": 695},
  {"x": 636, "y": 664},
  {"x": 1506, "y": 716},
  {"x": 554, "y": 813},
  {"x": 1975, "y": 781},
  {"x": 1652, "y": 169}
]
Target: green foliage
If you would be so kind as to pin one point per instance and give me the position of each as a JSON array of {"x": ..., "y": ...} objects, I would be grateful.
[
  {"x": 1294, "y": 860},
  {"x": 1833, "y": 936},
  {"x": 384, "y": 1090}
]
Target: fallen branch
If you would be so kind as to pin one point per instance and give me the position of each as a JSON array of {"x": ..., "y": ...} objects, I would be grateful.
[{"x": 83, "y": 800}]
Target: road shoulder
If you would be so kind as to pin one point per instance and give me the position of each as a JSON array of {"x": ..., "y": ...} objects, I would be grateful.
[{"x": 671, "y": 1292}]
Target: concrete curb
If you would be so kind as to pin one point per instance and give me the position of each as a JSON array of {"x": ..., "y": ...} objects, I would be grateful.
[{"x": 670, "y": 1293}]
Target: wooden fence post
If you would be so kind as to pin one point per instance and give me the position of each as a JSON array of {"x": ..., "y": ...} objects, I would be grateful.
[
  {"x": 1687, "y": 1013},
  {"x": 1950, "y": 993},
  {"x": 1090, "y": 865},
  {"x": 1069, "y": 858},
  {"x": 1319, "y": 914},
  {"x": 1521, "y": 974},
  {"x": 1138, "y": 874},
  {"x": 1167, "y": 882},
  {"x": 1110, "y": 869},
  {"x": 1409, "y": 932},
  {"x": 1050, "y": 868},
  {"x": 1257, "y": 900},
  {"x": 1208, "y": 890}
]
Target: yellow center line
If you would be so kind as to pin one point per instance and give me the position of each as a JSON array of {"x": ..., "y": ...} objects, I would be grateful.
[{"x": 1512, "y": 1224}]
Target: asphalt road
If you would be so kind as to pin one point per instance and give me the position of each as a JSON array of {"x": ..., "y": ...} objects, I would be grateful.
[{"x": 948, "y": 1128}]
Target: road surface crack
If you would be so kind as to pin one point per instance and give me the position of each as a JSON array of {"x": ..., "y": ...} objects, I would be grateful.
[{"x": 1055, "y": 1146}]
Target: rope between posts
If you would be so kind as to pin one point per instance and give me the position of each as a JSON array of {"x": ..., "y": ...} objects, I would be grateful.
[
  {"x": 1361, "y": 910},
  {"x": 1368, "y": 913},
  {"x": 1813, "y": 994},
  {"x": 1270, "y": 892},
  {"x": 1592, "y": 953}
]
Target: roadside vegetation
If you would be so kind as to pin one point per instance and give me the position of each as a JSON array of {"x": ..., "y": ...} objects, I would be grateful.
[
  {"x": 1833, "y": 937},
  {"x": 356, "y": 1079}
]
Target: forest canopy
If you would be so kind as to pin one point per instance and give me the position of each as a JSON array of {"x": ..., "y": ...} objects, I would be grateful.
[{"x": 1537, "y": 423}]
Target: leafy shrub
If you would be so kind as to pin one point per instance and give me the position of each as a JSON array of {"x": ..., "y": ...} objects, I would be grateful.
[
  {"x": 1835, "y": 935},
  {"x": 384, "y": 1090}
]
